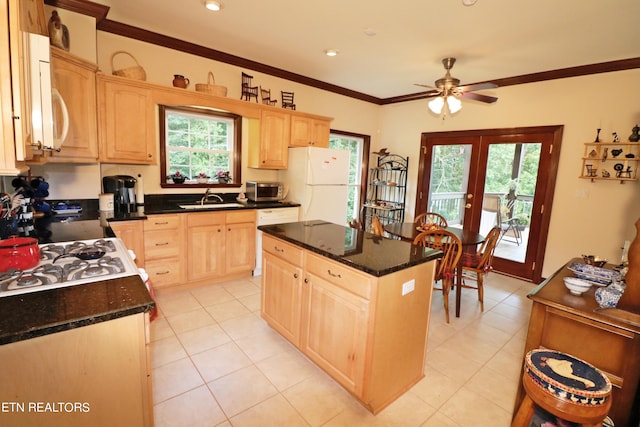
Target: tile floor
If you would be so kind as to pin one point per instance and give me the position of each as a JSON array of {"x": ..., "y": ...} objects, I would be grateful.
[{"x": 216, "y": 363}]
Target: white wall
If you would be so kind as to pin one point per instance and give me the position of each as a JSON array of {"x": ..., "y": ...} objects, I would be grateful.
[{"x": 586, "y": 218}]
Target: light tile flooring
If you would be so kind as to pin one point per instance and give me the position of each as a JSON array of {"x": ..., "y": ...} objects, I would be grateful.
[{"x": 216, "y": 363}]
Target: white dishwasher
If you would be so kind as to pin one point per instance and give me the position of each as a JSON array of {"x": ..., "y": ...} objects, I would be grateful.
[{"x": 269, "y": 217}]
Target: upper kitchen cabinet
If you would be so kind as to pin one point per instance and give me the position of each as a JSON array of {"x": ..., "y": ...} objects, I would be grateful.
[
  {"x": 126, "y": 121},
  {"x": 15, "y": 122},
  {"x": 75, "y": 79},
  {"x": 309, "y": 132},
  {"x": 269, "y": 138}
]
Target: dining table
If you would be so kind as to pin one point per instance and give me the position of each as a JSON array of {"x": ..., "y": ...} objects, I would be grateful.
[{"x": 408, "y": 231}]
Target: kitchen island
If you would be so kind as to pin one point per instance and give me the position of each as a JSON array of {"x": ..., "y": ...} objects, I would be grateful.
[{"x": 358, "y": 305}]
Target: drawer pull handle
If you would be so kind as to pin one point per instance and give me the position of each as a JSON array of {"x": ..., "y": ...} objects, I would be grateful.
[
  {"x": 334, "y": 275},
  {"x": 162, "y": 244},
  {"x": 162, "y": 272},
  {"x": 162, "y": 223},
  {"x": 277, "y": 249}
]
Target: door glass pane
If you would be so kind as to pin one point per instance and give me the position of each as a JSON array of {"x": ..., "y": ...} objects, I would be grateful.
[
  {"x": 450, "y": 165},
  {"x": 512, "y": 171},
  {"x": 355, "y": 146}
]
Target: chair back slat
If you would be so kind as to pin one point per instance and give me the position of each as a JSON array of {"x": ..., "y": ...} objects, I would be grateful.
[{"x": 431, "y": 218}]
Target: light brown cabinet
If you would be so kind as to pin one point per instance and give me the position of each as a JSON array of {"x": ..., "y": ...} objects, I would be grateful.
[
  {"x": 240, "y": 242},
  {"x": 164, "y": 249},
  {"x": 75, "y": 79},
  {"x": 268, "y": 148},
  {"x": 281, "y": 299},
  {"x": 346, "y": 321},
  {"x": 309, "y": 132},
  {"x": 97, "y": 368},
  {"x": 126, "y": 121},
  {"x": 132, "y": 235},
  {"x": 205, "y": 245}
]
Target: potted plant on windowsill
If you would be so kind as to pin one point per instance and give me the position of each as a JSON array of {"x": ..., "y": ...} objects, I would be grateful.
[
  {"x": 224, "y": 177},
  {"x": 177, "y": 177},
  {"x": 202, "y": 178}
]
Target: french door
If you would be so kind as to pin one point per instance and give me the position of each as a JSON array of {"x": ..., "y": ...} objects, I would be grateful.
[{"x": 494, "y": 177}]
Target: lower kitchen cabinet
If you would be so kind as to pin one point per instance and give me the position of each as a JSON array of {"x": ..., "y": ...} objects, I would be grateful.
[
  {"x": 220, "y": 245},
  {"x": 164, "y": 249},
  {"x": 281, "y": 299},
  {"x": 366, "y": 332},
  {"x": 95, "y": 375},
  {"x": 205, "y": 245},
  {"x": 132, "y": 235}
]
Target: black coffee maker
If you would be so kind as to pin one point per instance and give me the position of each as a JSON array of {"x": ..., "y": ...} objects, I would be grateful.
[{"x": 123, "y": 188}]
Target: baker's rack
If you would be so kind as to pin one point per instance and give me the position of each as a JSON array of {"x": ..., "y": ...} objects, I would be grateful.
[{"x": 386, "y": 190}]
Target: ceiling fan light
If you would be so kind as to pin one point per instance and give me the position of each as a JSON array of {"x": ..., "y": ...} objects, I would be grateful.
[
  {"x": 436, "y": 104},
  {"x": 213, "y": 5},
  {"x": 454, "y": 104}
]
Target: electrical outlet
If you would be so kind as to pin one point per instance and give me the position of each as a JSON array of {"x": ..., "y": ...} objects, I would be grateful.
[{"x": 408, "y": 286}]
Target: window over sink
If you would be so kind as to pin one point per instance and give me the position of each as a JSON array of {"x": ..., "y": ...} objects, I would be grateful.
[{"x": 199, "y": 147}]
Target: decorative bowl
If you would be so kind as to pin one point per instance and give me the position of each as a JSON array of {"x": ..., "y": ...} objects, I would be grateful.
[
  {"x": 591, "y": 273},
  {"x": 576, "y": 286},
  {"x": 594, "y": 260}
]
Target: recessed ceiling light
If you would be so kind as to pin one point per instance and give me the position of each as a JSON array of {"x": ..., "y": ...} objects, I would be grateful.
[
  {"x": 370, "y": 32},
  {"x": 331, "y": 52},
  {"x": 213, "y": 5},
  {"x": 469, "y": 2}
]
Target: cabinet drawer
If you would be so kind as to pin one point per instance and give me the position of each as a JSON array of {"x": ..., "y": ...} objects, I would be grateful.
[
  {"x": 162, "y": 222},
  {"x": 340, "y": 275},
  {"x": 161, "y": 244},
  {"x": 205, "y": 218},
  {"x": 283, "y": 250},
  {"x": 164, "y": 272},
  {"x": 241, "y": 216}
]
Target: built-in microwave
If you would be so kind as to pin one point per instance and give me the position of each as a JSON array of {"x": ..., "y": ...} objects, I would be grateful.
[
  {"x": 44, "y": 133},
  {"x": 265, "y": 191}
]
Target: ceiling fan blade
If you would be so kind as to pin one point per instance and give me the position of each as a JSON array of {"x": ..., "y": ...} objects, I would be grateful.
[
  {"x": 479, "y": 97},
  {"x": 427, "y": 86},
  {"x": 479, "y": 86}
]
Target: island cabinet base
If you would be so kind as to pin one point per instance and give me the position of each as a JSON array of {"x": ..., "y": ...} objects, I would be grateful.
[
  {"x": 368, "y": 333},
  {"x": 96, "y": 375}
]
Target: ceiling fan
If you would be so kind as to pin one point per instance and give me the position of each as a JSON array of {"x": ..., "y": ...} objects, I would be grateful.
[{"x": 450, "y": 86}]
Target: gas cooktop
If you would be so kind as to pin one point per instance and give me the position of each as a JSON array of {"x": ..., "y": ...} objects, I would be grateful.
[{"x": 71, "y": 263}]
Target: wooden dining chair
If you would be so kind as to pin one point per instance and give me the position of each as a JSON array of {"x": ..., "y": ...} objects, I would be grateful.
[
  {"x": 478, "y": 264},
  {"x": 451, "y": 247},
  {"x": 356, "y": 223},
  {"x": 431, "y": 218}
]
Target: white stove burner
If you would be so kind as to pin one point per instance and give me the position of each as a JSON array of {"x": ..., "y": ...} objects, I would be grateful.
[{"x": 69, "y": 271}]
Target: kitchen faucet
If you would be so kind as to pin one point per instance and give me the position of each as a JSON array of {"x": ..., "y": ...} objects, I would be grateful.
[{"x": 208, "y": 194}]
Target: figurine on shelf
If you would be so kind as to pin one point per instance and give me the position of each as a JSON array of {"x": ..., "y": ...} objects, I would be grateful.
[
  {"x": 615, "y": 137},
  {"x": 605, "y": 174},
  {"x": 58, "y": 32},
  {"x": 635, "y": 134},
  {"x": 597, "y": 136}
]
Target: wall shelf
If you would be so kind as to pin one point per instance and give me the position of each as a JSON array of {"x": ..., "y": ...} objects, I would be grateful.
[{"x": 608, "y": 161}]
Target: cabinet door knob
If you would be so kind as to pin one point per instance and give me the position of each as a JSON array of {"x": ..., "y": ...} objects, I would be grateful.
[
  {"x": 295, "y": 275},
  {"x": 306, "y": 280}
]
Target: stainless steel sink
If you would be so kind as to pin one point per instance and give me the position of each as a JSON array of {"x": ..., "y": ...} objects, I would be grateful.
[{"x": 209, "y": 206}]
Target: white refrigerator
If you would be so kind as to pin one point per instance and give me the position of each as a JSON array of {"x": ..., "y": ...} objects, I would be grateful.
[{"x": 317, "y": 178}]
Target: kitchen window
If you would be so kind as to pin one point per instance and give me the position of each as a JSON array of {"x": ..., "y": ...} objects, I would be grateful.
[
  {"x": 358, "y": 145},
  {"x": 199, "y": 147}
]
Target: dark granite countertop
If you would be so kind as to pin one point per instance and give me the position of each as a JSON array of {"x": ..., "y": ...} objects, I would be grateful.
[
  {"x": 364, "y": 251},
  {"x": 41, "y": 313},
  {"x": 169, "y": 203}
]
